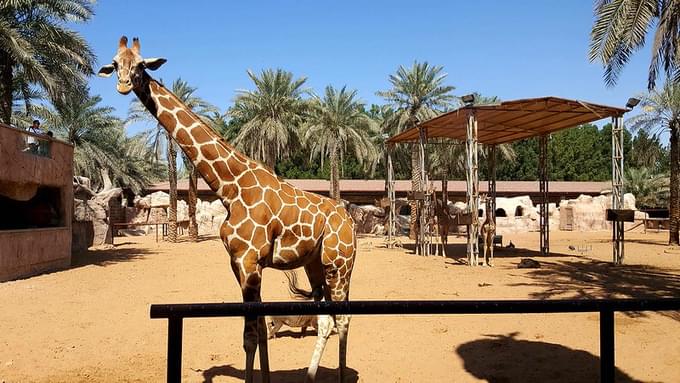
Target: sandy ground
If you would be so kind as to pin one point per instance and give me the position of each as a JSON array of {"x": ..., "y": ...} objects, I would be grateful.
[{"x": 91, "y": 323}]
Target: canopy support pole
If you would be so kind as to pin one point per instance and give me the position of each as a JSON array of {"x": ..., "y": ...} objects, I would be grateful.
[
  {"x": 617, "y": 187},
  {"x": 391, "y": 196},
  {"x": 423, "y": 233},
  {"x": 544, "y": 221},
  {"x": 472, "y": 193},
  {"x": 492, "y": 181}
]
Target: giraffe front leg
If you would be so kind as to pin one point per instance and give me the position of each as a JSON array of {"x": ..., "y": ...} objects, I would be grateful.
[
  {"x": 249, "y": 274},
  {"x": 262, "y": 344},
  {"x": 486, "y": 249},
  {"x": 491, "y": 250}
]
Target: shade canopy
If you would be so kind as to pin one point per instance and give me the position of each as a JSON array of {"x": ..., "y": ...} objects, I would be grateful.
[{"x": 511, "y": 120}]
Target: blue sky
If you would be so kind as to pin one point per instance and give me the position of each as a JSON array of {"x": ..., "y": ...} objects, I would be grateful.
[{"x": 509, "y": 49}]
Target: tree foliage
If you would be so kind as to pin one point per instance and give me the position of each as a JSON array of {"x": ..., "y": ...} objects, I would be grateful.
[
  {"x": 620, "y": 29},
  {"x": 271, "y": 114},
  {"x": 37, "y": 50},
  {"x": 102, "y": 151}
]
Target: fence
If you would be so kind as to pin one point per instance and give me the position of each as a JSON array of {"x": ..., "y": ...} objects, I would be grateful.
[{"x": 175, "y": 313}]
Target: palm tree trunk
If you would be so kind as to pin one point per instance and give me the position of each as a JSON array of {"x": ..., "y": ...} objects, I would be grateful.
[
  {"x": 172, "y": 178},
  {"x": 674, "y": 237},
  {"x": 335, "y": 174},
  {"x": 415, "y": 185},
  {"x": 6, "y": 80},
  {"x": 445, "y": 190},
  {"x": 106, "y": 180},
  {"x": 193, "y": 190}
]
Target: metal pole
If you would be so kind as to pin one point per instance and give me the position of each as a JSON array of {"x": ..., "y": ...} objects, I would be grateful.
[
  {"x": 390, "y": 194},
  {"x": 607, "y": 359},
  {"x": 472, "y": 192},
  {"x": 492, "y": 181},
  {"x": 422, "y": 204},
  {"x": 617, "y": 187},
  {"x": 544, "y": 221},
  {"x": 174, "y": 349}
]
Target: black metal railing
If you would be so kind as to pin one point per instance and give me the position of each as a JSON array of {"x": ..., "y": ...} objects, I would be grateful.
[{"x": 175, "y": 313}]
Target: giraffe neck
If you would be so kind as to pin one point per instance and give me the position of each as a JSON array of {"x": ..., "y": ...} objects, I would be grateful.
[{"x": 219, "y": 163}]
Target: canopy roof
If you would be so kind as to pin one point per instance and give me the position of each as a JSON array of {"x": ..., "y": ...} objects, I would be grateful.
[{"x": 512, "y": 120}]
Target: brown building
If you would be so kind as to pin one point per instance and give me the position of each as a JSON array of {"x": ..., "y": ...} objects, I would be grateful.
[
  {"x": 36, "y": 203},
  {"x": 362, "y": 192}
]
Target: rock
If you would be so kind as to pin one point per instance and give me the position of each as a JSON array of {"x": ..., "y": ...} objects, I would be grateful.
[
  {"x": 105, "y": 196},
  {"x": 367, "y": 218},
  {"x": 587, "y": 213},
  {"x": 217, "y": 208},
  {"x": 528, "y": 263},
  {"x": 158, "y": 199},
  {"x": 91, "y": 226}
]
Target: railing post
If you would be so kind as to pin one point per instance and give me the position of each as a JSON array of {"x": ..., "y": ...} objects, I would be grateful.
[
  {"x": 174, "y": 349},
  {"x": 607, "y": 346}
]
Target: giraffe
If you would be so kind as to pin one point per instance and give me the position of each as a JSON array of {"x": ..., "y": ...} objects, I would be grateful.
[
  {"x": 488, "y": 231},
  {"x": 269, "y": 222},
  {"x": 443, "y": 224}
]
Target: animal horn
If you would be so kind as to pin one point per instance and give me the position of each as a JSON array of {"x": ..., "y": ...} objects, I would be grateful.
[
  {"x": 122, "y": 44},
  {"x": 135, "y": 45}
]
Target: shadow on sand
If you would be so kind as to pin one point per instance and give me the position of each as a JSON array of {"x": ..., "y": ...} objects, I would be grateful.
[
  {"x": 504, "y": 359},
  {"x": 323, "y": 374},
  {"x": 108, "y": 256},
  {"x": 201, "y": 238},
  {"x": 458, "y": 252},
  {"x": 595, "y": 279}
]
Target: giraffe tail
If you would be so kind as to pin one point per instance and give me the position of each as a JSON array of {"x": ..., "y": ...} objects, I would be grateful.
[{"x": 296, "y": 291}]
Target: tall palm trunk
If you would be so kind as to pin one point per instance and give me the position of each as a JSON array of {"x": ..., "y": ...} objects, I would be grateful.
[
  {"x": 415, "y": 185},
  {"x": 172, "y": 179},
  {"x": 445, "y": 190},
  {"x": 106, "y": 180},
  {"x": 335, "y": 174},
  {"x": 193, "y": 190},
  {"x": 674, "y": 237},
  {"x": 6, "y": 80}
]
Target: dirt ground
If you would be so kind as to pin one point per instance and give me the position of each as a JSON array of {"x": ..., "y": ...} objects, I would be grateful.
[{"x": 91, "y": 323}]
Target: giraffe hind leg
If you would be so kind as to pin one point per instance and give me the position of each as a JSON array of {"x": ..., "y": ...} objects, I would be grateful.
[{"x": 325, "y": 324}]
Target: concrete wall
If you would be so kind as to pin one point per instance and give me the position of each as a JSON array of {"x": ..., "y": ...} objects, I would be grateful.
[{"x": 30, "y": 251}]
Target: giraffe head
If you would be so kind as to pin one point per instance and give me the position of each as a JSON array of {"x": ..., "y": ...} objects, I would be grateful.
[{"x": 129, "y": 65}]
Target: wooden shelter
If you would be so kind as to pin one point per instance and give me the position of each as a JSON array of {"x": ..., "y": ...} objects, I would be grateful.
[
  {"x": 36, "y": 203},
  {"x": 510, "y": 121}
]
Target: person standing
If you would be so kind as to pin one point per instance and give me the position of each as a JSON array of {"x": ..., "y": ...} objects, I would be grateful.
[{"x": 32, "y": 141}]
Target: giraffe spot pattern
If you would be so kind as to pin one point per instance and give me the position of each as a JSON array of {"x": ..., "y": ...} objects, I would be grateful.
[{"x": 267, "y": 217}]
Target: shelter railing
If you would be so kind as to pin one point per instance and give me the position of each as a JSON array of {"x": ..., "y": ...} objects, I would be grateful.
[{"x": 175, "y": 313}]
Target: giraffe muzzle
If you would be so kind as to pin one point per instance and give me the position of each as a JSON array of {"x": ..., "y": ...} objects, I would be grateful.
[{"x": 124, "y": 87}]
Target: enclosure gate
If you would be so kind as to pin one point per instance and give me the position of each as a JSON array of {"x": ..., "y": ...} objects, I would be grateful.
[{"x": 175, "y": 313}]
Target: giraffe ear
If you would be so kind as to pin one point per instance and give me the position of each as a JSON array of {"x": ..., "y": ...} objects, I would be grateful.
[
  {"x": 154, "y": 63},
  {"x": 122, "y": 43},
  {"x": 106, "y": 70}
]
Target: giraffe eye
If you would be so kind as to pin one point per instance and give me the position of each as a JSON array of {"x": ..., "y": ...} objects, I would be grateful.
[{"x": 115, "y": 65}]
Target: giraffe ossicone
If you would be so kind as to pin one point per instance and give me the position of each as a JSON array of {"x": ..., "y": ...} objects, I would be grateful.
[{"x": 270, "y": 223}]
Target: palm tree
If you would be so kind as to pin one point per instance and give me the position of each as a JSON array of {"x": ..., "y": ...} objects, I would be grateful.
[
  {"x": 159, "y": 139},
  {"x": 418, "y": 93},
  {"x": 100, "y": 146},
  {"x": 336, "y": 123},
  {"x": 661, "y": 109},
  {"x": 620, "y": 29},
  {"x": 36, "y": 47},
  {"x": 138, "y": 168},
  {"x": 271, "y": 115},
  {"x": 648, "y": 152},
  {"x": 650, "y": 190}
]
